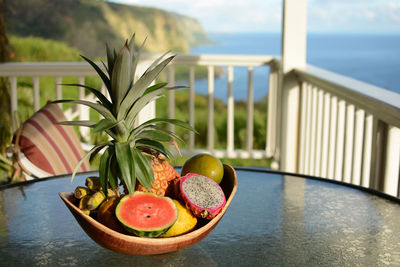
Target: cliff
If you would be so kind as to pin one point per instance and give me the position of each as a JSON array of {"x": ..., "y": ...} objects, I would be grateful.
[{"x": 89, "y": 24}]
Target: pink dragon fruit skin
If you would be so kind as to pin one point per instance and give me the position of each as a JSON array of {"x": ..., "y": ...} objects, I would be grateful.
[{"x": 202, "y": 195}]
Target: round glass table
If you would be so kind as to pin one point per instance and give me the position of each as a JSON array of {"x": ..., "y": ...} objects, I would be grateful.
[{"x": 274, "y": 219}]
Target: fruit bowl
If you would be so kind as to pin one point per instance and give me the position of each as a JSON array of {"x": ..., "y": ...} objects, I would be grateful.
[{"x": 128, "y": 244}]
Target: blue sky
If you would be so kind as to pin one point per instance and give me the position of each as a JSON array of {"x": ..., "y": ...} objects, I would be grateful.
[{"x": 347, "y": 16}]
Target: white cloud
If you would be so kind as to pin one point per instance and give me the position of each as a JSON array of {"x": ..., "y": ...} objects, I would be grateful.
[
  {"x": 266, "y": 15},
  {"x": 370, "y": 15},
  {"x": 354, "y": 16},
  {"x": 394, "y": 10}
]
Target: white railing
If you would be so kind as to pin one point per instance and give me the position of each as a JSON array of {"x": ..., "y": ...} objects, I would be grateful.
[
  {"x": 348, "y": 130},
  {"x": 345, "y": 130},
  {"x": 229, "y": 61},
  {"x": 82, "y": 70}
]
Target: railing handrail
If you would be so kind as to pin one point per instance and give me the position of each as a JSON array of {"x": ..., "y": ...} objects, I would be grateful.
[
  {"x": 18, "y": 69},
  {"x": 383, "y": 103}
]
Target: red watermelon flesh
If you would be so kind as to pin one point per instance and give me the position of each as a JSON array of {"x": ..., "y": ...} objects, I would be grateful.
[{"x": 146, "y": 214}]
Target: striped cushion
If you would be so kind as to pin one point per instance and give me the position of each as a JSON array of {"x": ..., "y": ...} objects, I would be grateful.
[{"x": 51, "y": 147}]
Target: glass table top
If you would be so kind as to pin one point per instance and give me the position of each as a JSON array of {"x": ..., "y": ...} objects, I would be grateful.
[{"x": 274, "y": 219}]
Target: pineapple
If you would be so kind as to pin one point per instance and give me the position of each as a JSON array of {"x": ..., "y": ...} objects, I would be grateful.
[
  {"x": 135, "y": 152},
  {"x": 164, "y": 174}
]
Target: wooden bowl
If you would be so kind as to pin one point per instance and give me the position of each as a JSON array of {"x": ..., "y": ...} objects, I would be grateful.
[{"x": 128, "y": 244}]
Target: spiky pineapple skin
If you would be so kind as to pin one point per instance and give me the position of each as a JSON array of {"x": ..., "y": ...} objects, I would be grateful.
[{"x": 164, "y": 174}]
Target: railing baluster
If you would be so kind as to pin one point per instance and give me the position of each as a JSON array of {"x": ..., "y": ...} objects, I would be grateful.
[
  {"x": 307, "y": 157},
  {"x": 303, "y": 124},
  {"x": 369, "y": 144},
  {"x": 81, "y": 90},
  {"x": 325, "y": 135},
  {"x": 313, "y": 131},
  {"x": 171, "y": 96},
  {"x": 332, "y": 138},
  {"x": 36, "y": 94},
  {"x": 349, "y": 144},
  {"x": 210, "y": 119},
  {"x": 58, "y": 81},
  {"x": 270, "y": 148},
  {"x": 358, "y": 147},
  {"x": 391, "y": 178},
  {"x": 104, "y": 91},
  {"x": 14, "y": 102},
  {"x": 83, "y": 111},
  {"x": 340, "y": 140},
  {"x": 230, "y": 119},
  {"x": 191, "y": 107},
  {"x": 318, "y": 150},
  {"x": 250, "y": 112},
  {"x": 378, "y": 156}
]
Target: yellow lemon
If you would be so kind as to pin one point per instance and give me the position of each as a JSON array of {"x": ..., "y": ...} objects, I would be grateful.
[
  {"x": 206, "y": 165},
  {"x": 185, "y": 222}
]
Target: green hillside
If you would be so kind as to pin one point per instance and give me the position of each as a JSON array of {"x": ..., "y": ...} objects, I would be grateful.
[
  {"x": 36, "y": 49},
  {"x": 88, "y": 24}
]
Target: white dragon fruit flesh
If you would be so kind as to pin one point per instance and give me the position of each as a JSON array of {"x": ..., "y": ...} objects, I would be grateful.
[{"x": 202, "y": 195}]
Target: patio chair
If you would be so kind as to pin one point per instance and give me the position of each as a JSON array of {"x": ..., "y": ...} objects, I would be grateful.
[{"x": 43, "y": 147}]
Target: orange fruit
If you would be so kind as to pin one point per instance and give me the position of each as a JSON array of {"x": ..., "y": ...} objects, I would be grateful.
[{"x": 206, "y": 165}]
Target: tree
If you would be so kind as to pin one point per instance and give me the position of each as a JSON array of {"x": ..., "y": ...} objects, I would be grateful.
[
  {"x": 5, "y": 119},
  {"x": 8, "y": 168}
]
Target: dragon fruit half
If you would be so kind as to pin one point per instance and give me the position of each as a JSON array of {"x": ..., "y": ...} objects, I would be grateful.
[{"x": 202, "y": 195}]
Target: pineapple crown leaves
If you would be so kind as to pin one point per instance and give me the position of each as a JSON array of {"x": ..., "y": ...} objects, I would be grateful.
[{"x": 128, "y": 155}]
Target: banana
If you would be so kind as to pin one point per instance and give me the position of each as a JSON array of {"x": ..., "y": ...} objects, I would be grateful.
[
  {"x": 95, "y": 200},
  {"x": 93, "y": 183},
  {"x": 86, "y": 211},
  {"x": 81, "y": 191},
  {"x": 83, "y": 204},
  {"x": 110, "y": 193}
]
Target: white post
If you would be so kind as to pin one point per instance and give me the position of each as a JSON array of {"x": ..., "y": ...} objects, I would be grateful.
[
  {"x": 84, "y": 113},
  {"x": 368, "y": 150},
  {"x": 332, "y": 137},
  {"x": 294, "y": 37},
  {"x": 231, "y": 117},
  {"x": 318, "y": 136},
  {"x": 391, "y": 179},
  {"x": 210, "y": 118},
  {"x": 303, "y": 129},
  {"x": 36, "y": 93},
  {"x": 325, "y": 135},
  {"x": 272, "y": 119},
  {"x": 250, "y": 112},
  {"x": 358, "y": 147},
  {"x": 171, "y": 96},
  {"x": 348, "y": 144},
  {"x": 191, "y": 108},
  {"x": 14, "y": 102},
  {"x": 58, "y": 81},
  {"x": 313, "y": 130},
  {"x": 340, "y": 128},
  {"x": 272, "y": 149}
]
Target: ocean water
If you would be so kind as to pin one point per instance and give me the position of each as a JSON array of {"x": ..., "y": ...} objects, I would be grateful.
[{"x": 374, "y": 59}]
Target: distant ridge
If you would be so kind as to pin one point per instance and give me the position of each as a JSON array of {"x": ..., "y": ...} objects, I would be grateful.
[{"x": 89, "y": 24}]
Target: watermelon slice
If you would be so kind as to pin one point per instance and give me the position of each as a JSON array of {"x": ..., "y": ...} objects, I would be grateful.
[{"x": 146, "y": 214}]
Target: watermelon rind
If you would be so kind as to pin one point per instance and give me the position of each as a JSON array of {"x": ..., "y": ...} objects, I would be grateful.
[{"x": 145, "y": 232}]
